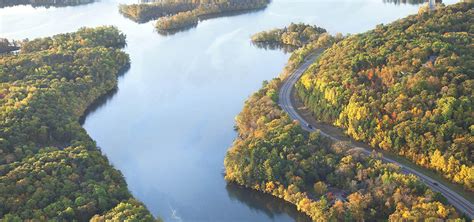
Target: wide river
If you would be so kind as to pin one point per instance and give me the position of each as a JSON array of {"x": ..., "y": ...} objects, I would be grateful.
[{"x": 168, "y": 126}]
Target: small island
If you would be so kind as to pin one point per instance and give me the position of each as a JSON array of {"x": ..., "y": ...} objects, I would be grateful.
[{"x": 181, "y": 14}]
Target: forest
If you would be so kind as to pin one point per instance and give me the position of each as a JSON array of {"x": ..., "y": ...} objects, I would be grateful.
[
  {"x": 145, "y": 12},
  {"x": 406, "y": 87},
  {"x": 44, "y": 3},
  {"x": 50, "y": 169},
  {"x": 325, "y": 180},
  {"x": 179, "y": 14},
  {"x": 296, "y": 35},
  {"x": 300, "y": 39}
]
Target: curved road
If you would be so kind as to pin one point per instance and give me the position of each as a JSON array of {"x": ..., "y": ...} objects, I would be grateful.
[{"x": 285, "y": 103}]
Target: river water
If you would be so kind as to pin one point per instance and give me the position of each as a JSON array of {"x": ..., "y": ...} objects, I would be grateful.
[{"x": 168, "y": 126}]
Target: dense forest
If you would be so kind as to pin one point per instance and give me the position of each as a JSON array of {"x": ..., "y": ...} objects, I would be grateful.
[
  {"x": 406, "y": 87},
  {"x": 327, "y": 181},
  {"x": 45, "y": 3},
  {"x": 50, "y": 169},
  {"x": 179, "y": 14}
]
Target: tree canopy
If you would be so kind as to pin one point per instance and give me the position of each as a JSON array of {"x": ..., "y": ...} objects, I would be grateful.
[
  {"x": 406, "y": 87},
  {"x": 50, "y": 169},
  {"x": 325, "y": 180},
  {"x": 296, "y": 35}
]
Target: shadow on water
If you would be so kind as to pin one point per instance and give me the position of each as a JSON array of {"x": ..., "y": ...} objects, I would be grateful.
[
  {"x": 104, "y": 99},
  {"x": 275, "y": 46},
  {"x": 174, "y": 31},
  {"x": 98, "y": 103},
  {"x": 265, "y": 203}
]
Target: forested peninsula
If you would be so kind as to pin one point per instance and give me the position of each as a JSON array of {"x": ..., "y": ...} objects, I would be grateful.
[
  {"x": 50, "y": 169},
  {"x": 329, "y": 180},
  {"x": 44, "y": 3},
  {"x": 296, "y": 35},
  {"x": 179, "y": 14},
  {"x": 406, "y": 87}
]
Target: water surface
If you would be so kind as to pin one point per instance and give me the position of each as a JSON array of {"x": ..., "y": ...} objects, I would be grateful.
[{"x": 168, "y": 126}]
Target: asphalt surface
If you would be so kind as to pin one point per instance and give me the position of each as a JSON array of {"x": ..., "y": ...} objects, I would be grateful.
[{"x": 285, "y": 102}]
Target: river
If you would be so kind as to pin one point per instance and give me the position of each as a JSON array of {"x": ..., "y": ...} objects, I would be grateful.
[{"x": 169, "y": 124}]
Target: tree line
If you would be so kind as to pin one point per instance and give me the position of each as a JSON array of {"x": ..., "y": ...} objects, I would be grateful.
[
  {"x": 50, "y": 169},
  {"x": 405, "y": 87}
]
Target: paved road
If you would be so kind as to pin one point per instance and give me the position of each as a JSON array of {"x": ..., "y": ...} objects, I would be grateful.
[{"x": 285, "y": 102}]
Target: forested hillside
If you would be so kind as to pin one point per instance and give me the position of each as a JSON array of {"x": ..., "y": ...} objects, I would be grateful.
[
  {"x": 50, "y": 169},
  {"x": 406, "y": 87},
  {"x": 326, "y": 181}
]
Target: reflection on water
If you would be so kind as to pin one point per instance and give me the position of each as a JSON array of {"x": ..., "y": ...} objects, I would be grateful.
[
  {"x": 104, "y": 99},
  {"x": 174, "y": 31},
  {"x": 265, "y": 203},
  {"x": 98, "y": 103},
  {"x": 275, "y": 46}
]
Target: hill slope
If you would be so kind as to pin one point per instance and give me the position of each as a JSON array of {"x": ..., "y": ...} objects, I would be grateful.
[{"x": 406, "y": 87}]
